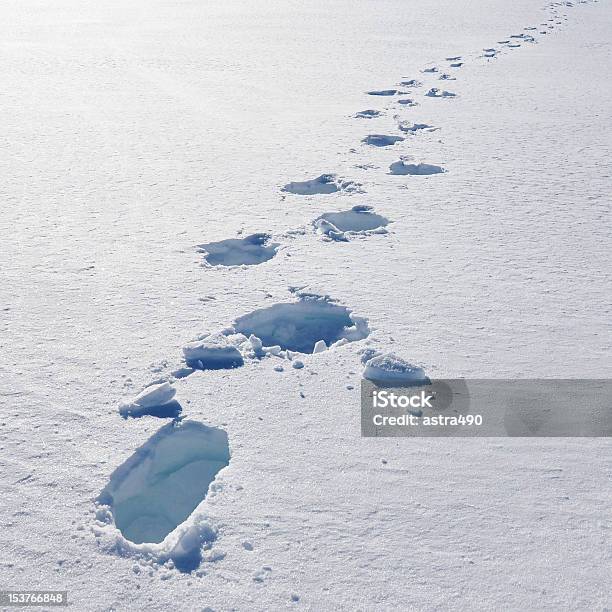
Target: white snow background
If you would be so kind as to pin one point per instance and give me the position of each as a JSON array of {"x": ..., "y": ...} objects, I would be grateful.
[{"x": 134, "y": 133}]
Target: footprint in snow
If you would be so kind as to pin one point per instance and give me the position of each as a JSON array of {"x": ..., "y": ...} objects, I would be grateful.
[
  {"x": 491, "y": 52},
  {"x": 411, "y": 83},
  {"x": 324, "y": 184},
  {"x": 430, "y": 70},
  {"x": 414, "y": 128},
  {"x": 407, "y": 102},
  {"x": 308, "y": 326},
  {"x": 434, "y": 92},
  {"x": 401, "y": 168},
  {"x": 358, "y": 222},
  {"x": 446, "y": 77},
  {"x": 155, "y": 492},
  {"x": 383, "y": 92},
  {"x": 249, "y": 251},
  {"x": 455, "y": 58},
  {"x": 456, "y": 64},
  {"x": 381, "y": 140},
  {"x": 368, "y": 114}
]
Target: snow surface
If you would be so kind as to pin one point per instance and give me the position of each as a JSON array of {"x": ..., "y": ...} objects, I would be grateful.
[{"x": 135, "y": 130}]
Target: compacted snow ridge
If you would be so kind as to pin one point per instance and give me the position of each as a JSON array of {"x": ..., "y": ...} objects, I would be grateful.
[{"x": 257, "y": 465}]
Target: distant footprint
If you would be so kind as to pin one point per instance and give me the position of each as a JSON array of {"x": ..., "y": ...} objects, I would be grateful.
[
  {"x": 411, "y": 83},
  {"x": 413, "y": 128},
  {"x": 490, "y": 52},
  {"x": 407, "y": 102},
  {"x": 431, "y": 70},
  {"x": 455, "y": 58},
  {"x": 368, "y": 114},
  {"x": 446, "y": 77},
  {"x": 456, "y": 64},
  {"x": 382, "y": 92},
  {"x": 341, "y": 226},
  {"x": 434, "y": 92},
  {"x": 401, "y": 168},
  {"x": 249, "y": 251},
  {"x": 382, "y": 140},
  {"x": 324, "y": 184}
]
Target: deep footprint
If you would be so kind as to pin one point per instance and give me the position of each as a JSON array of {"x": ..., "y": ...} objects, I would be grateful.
[
  {"x": 324, "y": 184},
  {"x": 307, "y": 326},
  {"x": 401, "y": 168},
  {"x": 381, "y": 140},
  {"x": 340, "y": 226},
  {"x": 163, "y": 482},
  {"x": 249, "y": 251}
]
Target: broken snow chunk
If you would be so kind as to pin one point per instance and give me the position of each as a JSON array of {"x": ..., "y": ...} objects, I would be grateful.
[
  {"x": 273, "y": 350},
  {"x": 155, "y": 395},
  {"x": 214, "y": 352},
  {"x": 319, "y": 346},
  {"x": 155, "y": 400},
  {"x": 391, "y": 370}
]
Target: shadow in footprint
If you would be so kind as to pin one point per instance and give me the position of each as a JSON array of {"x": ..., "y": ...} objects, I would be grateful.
[
  {"x": 162, "y": 483},
  {"x": 170, "y": 410},
  {"x": 249, "y": 251}
]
